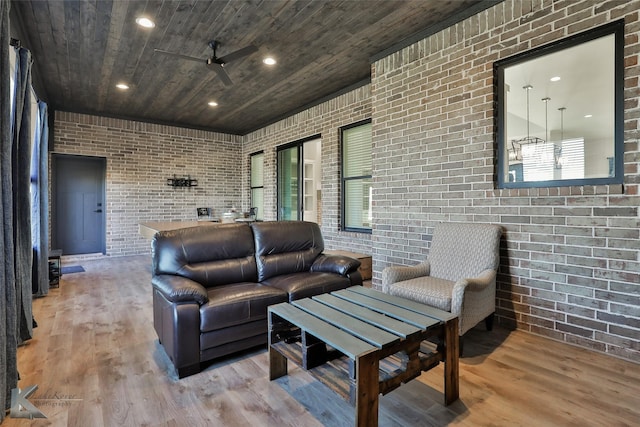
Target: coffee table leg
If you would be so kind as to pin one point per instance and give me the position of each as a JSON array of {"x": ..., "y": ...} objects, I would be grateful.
[
  {"x": 277, "y": 364},
  {"x": 277, "y": 361},
  {"x": 367, "y": 390},
  {"x": 451, "y": 367}
]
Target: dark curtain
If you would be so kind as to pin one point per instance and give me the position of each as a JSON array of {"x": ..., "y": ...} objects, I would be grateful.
[
  {"x": 40, "y": 203},
  {"x": 16, "y": 246},
  {"x": 21, "y": 168},
  {"x": 8, "y": 324}
]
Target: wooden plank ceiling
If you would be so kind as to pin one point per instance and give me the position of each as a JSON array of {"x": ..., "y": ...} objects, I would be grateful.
[{"x": 82, "y": 49}]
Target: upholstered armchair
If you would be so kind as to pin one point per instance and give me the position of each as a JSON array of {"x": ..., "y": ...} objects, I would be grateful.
[{"x": 458, "y": 276}]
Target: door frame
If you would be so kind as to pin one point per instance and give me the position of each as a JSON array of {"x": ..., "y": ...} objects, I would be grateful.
[{"x": 55, "y": 158}]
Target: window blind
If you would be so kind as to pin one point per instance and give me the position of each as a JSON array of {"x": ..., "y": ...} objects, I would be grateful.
[
  {"x": 356, "y": 151},
  {"x": 257, "y": 170},
  {"x": 572, "y": 158}
]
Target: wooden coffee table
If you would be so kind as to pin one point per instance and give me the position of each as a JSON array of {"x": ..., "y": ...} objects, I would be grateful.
[{"x": 363, "y": 343}]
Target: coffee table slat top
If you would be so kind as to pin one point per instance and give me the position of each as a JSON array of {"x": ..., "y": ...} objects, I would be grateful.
[
  {"x": 380, "y": 320},
  {"x": 404, "y": 303},
  {"x": 358, "y": 328},
  {"x": 340, "y": 340},
  {"x": 348, "y": 321},
  {"x": 409, "y": 316}
]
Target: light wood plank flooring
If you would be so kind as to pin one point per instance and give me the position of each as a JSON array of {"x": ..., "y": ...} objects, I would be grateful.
[{"x": 96, "y": 360}]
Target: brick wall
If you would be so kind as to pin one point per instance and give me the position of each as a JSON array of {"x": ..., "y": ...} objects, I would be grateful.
[
  {"x": 140, "y": 157},
  {"x": 570, "y": 257}
]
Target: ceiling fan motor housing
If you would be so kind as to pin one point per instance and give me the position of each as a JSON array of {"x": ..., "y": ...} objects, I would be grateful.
[{"x": 215, "y": 60}]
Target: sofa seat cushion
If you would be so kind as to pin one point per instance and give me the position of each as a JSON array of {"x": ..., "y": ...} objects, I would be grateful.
[
  {"x": 304, "y": 285},
  {"x": 428, "y": 290},
  {"x": 237, "y": 303}
]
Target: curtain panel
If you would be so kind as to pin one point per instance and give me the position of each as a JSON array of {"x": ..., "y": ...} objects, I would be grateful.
[
  {"x": 8, "y": 323},
  {"x": 15, "y": 213},
  {"x": 21, "y": 169}
]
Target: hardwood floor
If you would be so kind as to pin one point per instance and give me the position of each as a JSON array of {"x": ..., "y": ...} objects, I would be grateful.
[{"x": 96, "y": 360}]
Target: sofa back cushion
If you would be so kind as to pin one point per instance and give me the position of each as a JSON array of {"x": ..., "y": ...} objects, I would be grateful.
[
  {"x": 209, "y": 254},
  {"x": 285, "y": 247}
]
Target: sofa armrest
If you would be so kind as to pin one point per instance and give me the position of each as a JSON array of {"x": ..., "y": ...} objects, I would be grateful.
[
  {"x": 338, "y": 264},
  {"x": 180, "y": 289},
  {"x": 398, "y": 273}
]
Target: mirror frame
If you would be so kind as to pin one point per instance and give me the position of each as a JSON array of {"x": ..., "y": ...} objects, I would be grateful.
[{"x": 616, "y": 28}]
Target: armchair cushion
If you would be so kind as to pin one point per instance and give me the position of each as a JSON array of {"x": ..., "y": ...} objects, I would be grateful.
[{"x": 427, "y": 290}]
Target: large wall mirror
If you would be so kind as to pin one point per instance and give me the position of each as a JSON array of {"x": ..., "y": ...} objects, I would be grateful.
[{"x": 560, "y": 112}]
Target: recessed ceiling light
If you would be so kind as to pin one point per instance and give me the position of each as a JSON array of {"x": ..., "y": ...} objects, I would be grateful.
[
  {"x": 145, "y": 22},
  {"x": 269, "y": 60},
  {"x": 555, "y": 79},
  {"x": 213, "y": 104},
  {"x": 122, "y": 86},
  {"x": 587, "y": 116}
]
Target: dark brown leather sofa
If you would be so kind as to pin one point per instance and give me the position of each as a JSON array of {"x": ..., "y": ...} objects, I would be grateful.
[{"x": 212, "y": 284}]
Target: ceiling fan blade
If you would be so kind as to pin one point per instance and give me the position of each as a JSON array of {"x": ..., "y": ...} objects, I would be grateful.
[
  {"x": 190, "y": 58},
  {"x": 221, "y": 73},
  {"x": 239, "y": 53}
]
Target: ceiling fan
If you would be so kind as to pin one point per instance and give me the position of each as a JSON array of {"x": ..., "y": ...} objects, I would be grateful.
[{"x": 215, "y": 62}]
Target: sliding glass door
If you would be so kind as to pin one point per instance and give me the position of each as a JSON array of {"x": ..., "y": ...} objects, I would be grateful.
[
  {"x": 299, "y": 181},
  {"x": 288, "y": 172}
]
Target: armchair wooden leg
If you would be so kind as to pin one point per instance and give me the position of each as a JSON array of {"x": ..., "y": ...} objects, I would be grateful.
[{"x": 489, "y": 321}]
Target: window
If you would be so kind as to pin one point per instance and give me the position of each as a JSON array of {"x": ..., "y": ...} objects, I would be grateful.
[
  {"x": 12, "y": 88},
  {"x": 560, "y": 112},
  {"x": 356, "y": 177},
  {"x": 257, "y": 184}
]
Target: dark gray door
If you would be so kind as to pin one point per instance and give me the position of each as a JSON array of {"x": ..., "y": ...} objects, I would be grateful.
[{"x": 78, "y": 220}]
